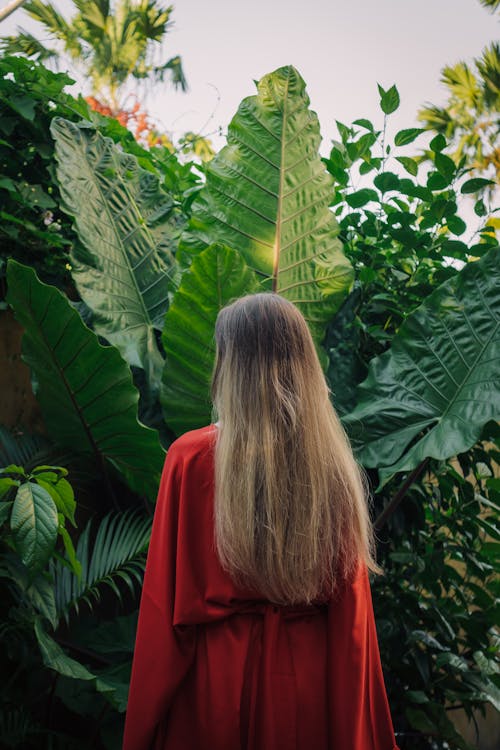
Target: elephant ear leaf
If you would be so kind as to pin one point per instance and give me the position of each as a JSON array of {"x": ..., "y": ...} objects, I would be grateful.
[
  {"x": 267, "y": 195},
  {"x": 216, "y": 276},
  {"x": 433, "y": 391},
  {"x": 126, "y": 226},
  {"x": 85, "y": 390}
]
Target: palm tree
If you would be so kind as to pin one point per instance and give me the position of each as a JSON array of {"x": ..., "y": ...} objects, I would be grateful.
[
  {"x": 110, "y": 42},
  {"x": 492, "y": 5},
  {"x": 471, "y": 117}
]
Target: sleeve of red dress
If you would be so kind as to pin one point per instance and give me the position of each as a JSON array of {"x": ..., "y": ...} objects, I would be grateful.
[
  {"x": 162, "y": 654},
  {"x": 360, "y": 717}
]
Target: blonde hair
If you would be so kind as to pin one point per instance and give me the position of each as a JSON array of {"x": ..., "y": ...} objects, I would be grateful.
[{"x": 291, "y": 502}]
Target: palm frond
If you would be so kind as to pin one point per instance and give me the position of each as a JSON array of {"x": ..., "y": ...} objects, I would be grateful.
[
  {"x": 488, "y": 67},
  {"x": 435, "y": 118},
  {"x": 26, "y": 44},
  {"x": 491, "y": 5},
  {"x": 117, "y": 553},
  {"x": 56, "y": 25}
]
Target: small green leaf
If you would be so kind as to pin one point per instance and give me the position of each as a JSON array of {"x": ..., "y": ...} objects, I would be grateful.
[
  {"x": 475, "y": 185},
  {"x": 455, "y": 249},
  {"x": 480, "y": 208},
  {"x": 407, "y": 136},
  {"x": 366, "y": 166},
  {"x": 59, "y": 470},
  {"x": 408, "y": 187},
  {"x": 445, "y": 165},
  {"x": 7, "y": 184},
  {"x": 386, "y": 181},
  {"x": 437, "y": 143},
  {"x": 6, "y": 483},
  {"x": 344, "y": 131},
  {"x": 436, "y": 181},
  {"x": 364, "y": 124},
  {"x": 61, "y": 493},
  {"x": 13, "y": 469},
  {"x": 42, "y": 597},
  {"x": 361, "y": 197},
  {"x": 389, "y": 100},
  {"x": 456, "y": 225},
  {"x": 410, "y": 165},
  {"x": 23, "y": 105},
  {"x": 417, "y": 696},
  {"x": 70, "y": 551},
  {"x": 34, "y": 524}
]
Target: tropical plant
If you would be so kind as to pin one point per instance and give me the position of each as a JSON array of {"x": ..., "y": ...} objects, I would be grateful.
[
  {"x": 41, "y": 592},
  {"x": 491, "y": 5},
  {"x": 267, "y": 194},
  {"x": 111, "y": 43},
  {"x": 33, "y": 228},
  {"x": 215, "y": 277},
  {"x": 471, "y": 116},
  {"x": 404, "y": 235},
  {"x": 126, "y": 224},
  {"x": 392, "y": 288},
  {"x": 441, "y": 558},
  {"x": 89, "y": 401}
]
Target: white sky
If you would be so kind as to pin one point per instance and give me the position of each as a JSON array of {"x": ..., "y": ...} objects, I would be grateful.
[{"x": 342, "y": 50}]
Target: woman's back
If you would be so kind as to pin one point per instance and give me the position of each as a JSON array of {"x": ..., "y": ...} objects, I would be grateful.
[{"x": 219, "y": 667}]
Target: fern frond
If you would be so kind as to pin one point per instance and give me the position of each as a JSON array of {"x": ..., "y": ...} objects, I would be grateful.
[{"x": 117, "y": 553}]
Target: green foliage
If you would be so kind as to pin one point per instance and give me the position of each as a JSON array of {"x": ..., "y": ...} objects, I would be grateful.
[
  {"x": 117, "y": 553},
  {"x": 437, "y": 603},
  {"x": 41, "y": 590},
  {"x": 216, "y": 276},
  {"x": 111, "y": 42},
  {"x": 32, "y": 229},
  {"x": 125, "y": 223},
  {"x": 404, "y": 306},
  {"x": 471, "y": 117},
  {"x": 37, "y": 505},
  {"x": 403, "y": 236},
  {"x": 266, "y": 196},
  {"x": 432, "y": 392},
  {"x": 85, "y": 390}
]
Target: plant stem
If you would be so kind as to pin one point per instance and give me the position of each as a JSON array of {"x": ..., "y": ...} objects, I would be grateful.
[{"x": 393, "y": 504}]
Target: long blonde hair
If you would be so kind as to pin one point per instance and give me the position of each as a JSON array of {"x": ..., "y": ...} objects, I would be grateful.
[{"x": 291, "y": 502}]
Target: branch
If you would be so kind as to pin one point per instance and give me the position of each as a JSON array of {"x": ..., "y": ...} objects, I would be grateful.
[
  {"x": 393, "y": 504},
  {"x": 10, "y": 8}
]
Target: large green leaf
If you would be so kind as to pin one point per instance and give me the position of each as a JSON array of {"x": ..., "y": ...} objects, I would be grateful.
[
  {"x": 34, "y": 524},
  {"x": 125, "y": 223},
  {"x": 432, "y": 392},
  {"x": 216, "y": 276},
  {"x": 267, "y": 195},
  {"x": 84, "y": 389}
]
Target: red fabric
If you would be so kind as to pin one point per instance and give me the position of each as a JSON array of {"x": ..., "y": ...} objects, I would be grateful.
[{"x": 217, "y": 668}]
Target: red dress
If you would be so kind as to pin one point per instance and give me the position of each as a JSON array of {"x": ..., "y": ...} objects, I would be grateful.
[{"x": 216, "y": 668}]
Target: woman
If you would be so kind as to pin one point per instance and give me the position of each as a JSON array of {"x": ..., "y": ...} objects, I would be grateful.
[{"x": 256, "y": 626}]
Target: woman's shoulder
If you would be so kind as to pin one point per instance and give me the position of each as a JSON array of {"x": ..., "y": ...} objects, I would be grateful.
[{"x": 193, "y": 442}]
